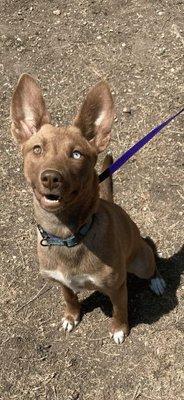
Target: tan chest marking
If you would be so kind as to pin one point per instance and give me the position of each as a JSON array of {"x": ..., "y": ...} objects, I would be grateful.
[{"x": 76, "y": 283}]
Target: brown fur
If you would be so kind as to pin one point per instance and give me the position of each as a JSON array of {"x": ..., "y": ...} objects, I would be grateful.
[{"x": 113, "y": 244}]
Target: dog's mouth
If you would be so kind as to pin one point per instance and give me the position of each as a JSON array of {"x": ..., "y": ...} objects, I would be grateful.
[
  {"x": 53, "y": 202},
  {"x": 49, "y": 201},
  {"x": 52, "y": 198}
]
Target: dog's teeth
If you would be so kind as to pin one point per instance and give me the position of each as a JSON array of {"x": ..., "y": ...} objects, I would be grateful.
[
  {"x": 118, "y": 337},
  {"x": 51, "y": 201}
]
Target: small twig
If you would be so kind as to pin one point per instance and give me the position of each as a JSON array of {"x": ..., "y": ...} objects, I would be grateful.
[
  {"x": 100, "y": 338},
  {"x": 74, "y": 396},
  {"x": 137, "y": 392},
  {"x": 93, "y": 69},
  {"x": 182, "y": 197},
  {"x": 109, "y": 354},
  {"x": 40, "y": 293},
  {"x": 14, "y": 238},
  {"x": 176, "y": 32},
  {"x": 55, "y": 393},
  {"x": 177, "y": 132},
  {"x": 6, "y": 340},
  {"x": 22, "y": 257},
  {"x": 173, "y": 226}
]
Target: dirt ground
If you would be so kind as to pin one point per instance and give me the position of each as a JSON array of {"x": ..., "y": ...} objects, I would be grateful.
[{"x": 138, "y": 47}]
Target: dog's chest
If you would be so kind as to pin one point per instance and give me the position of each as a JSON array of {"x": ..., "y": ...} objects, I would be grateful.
[{"x": 74, "y": 282}]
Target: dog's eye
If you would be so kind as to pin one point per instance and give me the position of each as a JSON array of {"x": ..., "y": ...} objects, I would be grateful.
[
  {"x": 37, "y": 149},
  {"x": 76, "y": 154}
]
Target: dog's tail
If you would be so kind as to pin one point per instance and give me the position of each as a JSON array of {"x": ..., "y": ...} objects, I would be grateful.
[{"x": 106, "y": 187}]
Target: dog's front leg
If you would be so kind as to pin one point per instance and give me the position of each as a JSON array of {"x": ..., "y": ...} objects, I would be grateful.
[
  {"x": 72, "y": 310},
  {"x": 119, "y": 324}
]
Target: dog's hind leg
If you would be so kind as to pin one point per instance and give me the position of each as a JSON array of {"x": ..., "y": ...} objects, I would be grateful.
[
  {"x": 144, "y": 266},
  {"x": 106, "y": 187}
]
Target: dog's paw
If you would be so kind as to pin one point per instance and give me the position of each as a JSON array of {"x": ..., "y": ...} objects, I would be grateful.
[
  {"x": 69, "y": 323},
  {"x": 118, "y": 331},
  {"x": 118, "y": 336},
  {"x": 157, "y": 285}
]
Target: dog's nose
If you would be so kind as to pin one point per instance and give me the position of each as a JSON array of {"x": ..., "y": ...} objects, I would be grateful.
[{"x": 51, "y": 179}]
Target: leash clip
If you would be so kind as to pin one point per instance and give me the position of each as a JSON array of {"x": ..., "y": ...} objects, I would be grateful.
[{"x": 44, "y": 242}]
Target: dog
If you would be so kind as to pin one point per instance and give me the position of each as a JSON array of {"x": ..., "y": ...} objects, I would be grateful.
[{"x": 85, "y": 241}]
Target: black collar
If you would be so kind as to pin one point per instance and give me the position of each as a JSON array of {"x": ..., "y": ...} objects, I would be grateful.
[{"x": 51, "y": 240}]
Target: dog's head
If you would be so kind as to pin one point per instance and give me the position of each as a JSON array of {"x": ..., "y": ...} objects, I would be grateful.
[{"x": 59, "y": 162}]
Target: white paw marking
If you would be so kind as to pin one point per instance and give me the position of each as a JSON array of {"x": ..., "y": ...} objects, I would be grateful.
[
  {"x": 157, "y": 285},
  {"x": 118, "y": 337},
  {"x": 68, "y": 326}
]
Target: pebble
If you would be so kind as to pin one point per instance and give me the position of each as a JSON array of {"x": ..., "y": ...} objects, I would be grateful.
[
  {"x": 162, "y": 50},
  {"x": 127, "y": 110},
  {"x": 57, "y": 12}
]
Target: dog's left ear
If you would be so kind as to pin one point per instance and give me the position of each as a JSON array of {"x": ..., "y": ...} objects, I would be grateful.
[{"x": 96, "y": 116}]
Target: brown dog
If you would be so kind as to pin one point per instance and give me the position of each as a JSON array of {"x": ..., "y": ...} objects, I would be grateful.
[{"x": 84, "y": 240}]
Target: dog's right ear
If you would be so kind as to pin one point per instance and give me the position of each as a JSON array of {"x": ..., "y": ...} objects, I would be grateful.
[{"x": 28, "y": 111}]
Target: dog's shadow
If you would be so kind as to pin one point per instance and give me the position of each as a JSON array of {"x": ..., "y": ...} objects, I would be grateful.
[{"x": 144, "y": 306}]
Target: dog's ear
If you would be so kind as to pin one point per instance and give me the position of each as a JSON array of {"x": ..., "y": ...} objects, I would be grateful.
[
  {"x": 96, "y": 116},
  {"x": 28, "y": 111}
]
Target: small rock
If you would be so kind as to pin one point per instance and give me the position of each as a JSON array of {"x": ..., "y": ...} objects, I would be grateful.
[
  {"x": 162, "y": 50},
  {"x": 57, "y": 12},
  {"x": 21, "y": 49},
  {"x": 127, "y": 110},
  {"x": 160, "y": 13}
]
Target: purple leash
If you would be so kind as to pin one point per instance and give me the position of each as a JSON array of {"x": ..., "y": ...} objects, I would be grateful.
[{"x": 135, "y": 148}]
